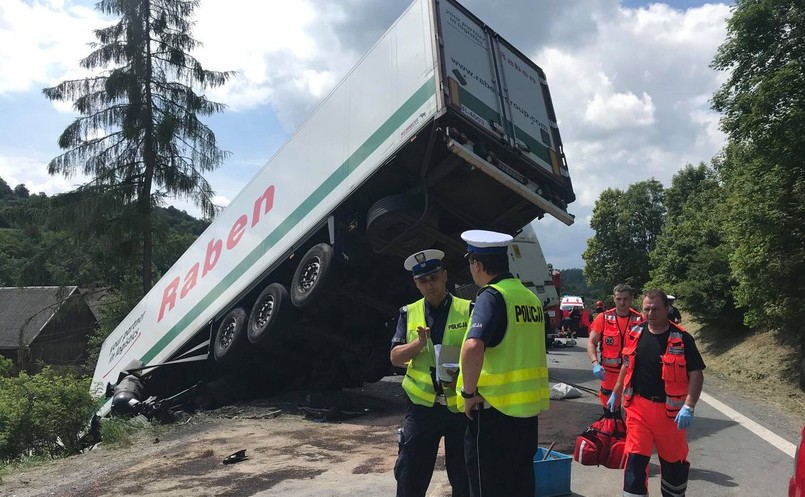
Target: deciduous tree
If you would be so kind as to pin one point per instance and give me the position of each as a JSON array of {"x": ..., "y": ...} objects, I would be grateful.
[
  {"x": 763, "y": 106},
  {"x": 626, "y": 226},
  {"x": 691, "y": 258}
]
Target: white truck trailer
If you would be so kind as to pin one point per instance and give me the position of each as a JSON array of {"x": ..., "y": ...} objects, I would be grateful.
[{"x": 441, "y": 127}]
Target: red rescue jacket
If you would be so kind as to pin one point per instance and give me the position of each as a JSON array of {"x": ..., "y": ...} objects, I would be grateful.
[
  {"x": 612, "y": 346},
  {"x": 674, "y": 368}
]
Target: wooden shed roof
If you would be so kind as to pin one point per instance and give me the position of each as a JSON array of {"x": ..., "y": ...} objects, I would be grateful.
[{"x": 24, "y": 311}]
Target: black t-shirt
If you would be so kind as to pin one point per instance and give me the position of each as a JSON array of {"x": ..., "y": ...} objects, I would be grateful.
[{"x": 647, "y": 377}]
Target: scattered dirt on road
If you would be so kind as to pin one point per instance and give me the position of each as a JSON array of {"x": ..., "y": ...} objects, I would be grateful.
[
  {"x": 291, "y": 455},
  {"x": 287, "y": 453}
]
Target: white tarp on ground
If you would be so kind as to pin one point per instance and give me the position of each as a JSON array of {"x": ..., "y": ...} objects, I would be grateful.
[{"x": 564, "y": 391}]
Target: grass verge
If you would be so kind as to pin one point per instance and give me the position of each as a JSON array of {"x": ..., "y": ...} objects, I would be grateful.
[
  {"x": 122, "y": 432},
  {"x": 763, "y": 364}
]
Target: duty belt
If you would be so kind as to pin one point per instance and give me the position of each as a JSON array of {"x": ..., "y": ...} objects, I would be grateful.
[
  {"x": 440, "y": 399},
  {"x": 654, "y": 398}
]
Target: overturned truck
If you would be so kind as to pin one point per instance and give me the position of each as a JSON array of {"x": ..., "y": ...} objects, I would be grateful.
[{"x": 442, "y": 127}]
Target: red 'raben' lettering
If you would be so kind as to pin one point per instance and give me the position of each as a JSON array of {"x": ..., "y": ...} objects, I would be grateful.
[
  {"x": 268, "y": 196},
  {"x": 168, "y": 297},
  {"x": 190, "y": 280},
  {"x": 262, "y": 206},
  {"x": 236, "y": 233},
  {"x": 214, "y": 250}
]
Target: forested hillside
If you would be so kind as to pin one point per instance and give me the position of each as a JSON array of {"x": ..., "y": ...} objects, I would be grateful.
[{"x": 36, "y": 247}]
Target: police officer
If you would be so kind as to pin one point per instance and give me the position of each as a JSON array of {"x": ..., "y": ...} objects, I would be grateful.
[
  {"x": 608, "y": 329},
  {"x": 660, "y": 382},
  {"x": 673, "y": 313},
  {"x": 503, "y": 378},
  {"x": 432, "y": 412}
]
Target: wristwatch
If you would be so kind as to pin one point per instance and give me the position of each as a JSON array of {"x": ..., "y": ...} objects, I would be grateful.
[{"x": 468, "y": 395}]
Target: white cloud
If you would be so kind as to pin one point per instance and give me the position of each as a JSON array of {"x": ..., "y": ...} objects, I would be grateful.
[
  {"x": 32, "y": 172},
  {"x": 631, "y": 87},
  {"x": 620, "y": 110},
  {"x": 284, "y": 53},
  {"x": 41, "y": 42}
]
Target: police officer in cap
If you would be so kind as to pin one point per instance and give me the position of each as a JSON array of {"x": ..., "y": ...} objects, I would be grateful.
[
  {"x": 503, "y": 378},
  {"x": 441, "y": 319}
]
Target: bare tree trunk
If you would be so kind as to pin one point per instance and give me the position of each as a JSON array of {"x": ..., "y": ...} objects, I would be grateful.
[{"x": 149, "y": 153}]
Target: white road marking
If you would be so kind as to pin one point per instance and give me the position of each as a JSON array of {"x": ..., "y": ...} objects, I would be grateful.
[{"x": 777, "y": 441}]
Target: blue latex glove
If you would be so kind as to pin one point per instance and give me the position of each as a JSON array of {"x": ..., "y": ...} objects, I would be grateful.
[
  {"x": 684, "y": 418},
  {"x": 598, "y": 371},
  {"x": 612, "y": 404}
]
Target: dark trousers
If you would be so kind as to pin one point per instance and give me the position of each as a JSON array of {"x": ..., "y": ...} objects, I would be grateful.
[
  {"x": 500, "y": 454},
  {"x": 423, "y": 428}
]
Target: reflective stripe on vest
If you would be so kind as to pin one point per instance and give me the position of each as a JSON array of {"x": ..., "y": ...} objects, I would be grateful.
[
  {"x": 418, "y": 382},
  {"x": 612, "y": 345},
  {"x": 674, "y": 369},
  {"x": 514, "y": 376}
]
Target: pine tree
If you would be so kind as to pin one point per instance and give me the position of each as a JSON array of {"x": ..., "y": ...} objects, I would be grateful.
[{"x": 138, "y": 136}]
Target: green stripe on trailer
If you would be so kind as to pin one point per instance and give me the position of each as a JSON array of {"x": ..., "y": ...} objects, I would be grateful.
[{"x": 405, "y": 112}]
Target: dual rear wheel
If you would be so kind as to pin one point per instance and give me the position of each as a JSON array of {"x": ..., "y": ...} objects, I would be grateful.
[{"x": 272, "y": 312}]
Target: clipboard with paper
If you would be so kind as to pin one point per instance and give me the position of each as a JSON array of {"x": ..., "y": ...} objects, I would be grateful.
[{"x": 446, "y": 359}]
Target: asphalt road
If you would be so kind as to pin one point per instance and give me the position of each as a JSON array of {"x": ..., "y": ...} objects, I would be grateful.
[
  {"x": 727, "y": 458},
  {"x": 292, "y": 456}
]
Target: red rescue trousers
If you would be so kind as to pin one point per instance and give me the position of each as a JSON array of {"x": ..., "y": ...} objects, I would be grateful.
[{"x": 648, "y": 426}]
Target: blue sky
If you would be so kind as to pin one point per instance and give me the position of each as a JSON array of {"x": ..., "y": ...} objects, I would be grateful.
[{"x": 630, "y": 82}]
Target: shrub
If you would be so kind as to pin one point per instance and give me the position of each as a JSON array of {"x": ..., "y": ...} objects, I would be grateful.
[
  {"x": 6, "y": 365},
  {"x": 43, "y": 414}
]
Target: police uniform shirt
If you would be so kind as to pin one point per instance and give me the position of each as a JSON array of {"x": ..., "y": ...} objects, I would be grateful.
[
  {"x": 647, "y": 377},
  {"x": 488, "y": 322},
  {"x": 435, "y": 318}
]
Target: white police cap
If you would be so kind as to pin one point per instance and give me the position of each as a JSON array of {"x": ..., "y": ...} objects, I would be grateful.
[
  {"x": 424, "y": 262},
  {"x": 486, "y": 242}
]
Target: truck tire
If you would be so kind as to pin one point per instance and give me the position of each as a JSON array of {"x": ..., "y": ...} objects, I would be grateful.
[
  {"x": 314, "y": 279},
  {"x": 391, "y": 216},
  {"x": 270, "y": 316},
  {"x": 230, "y": 337}
]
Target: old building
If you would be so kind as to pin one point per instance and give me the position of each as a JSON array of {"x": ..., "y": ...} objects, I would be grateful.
[{"x": 46, "y": 325}]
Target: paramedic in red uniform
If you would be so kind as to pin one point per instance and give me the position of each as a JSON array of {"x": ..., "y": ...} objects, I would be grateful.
[
  {"x": 608, "y": 329},
  {"x": 660, "y": 383}
]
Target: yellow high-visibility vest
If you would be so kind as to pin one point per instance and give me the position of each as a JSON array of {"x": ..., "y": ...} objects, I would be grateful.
[
  {"x": 514, "y": 376},
  {"x": 418, "y": 383}
]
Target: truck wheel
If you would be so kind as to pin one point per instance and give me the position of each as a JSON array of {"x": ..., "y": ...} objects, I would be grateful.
[
  {"x": 270, "y": 315},
  {"x": 390, "y": 216},
  {"x": 314, "y": 278},
  {"x": 230, "y": 339}
]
